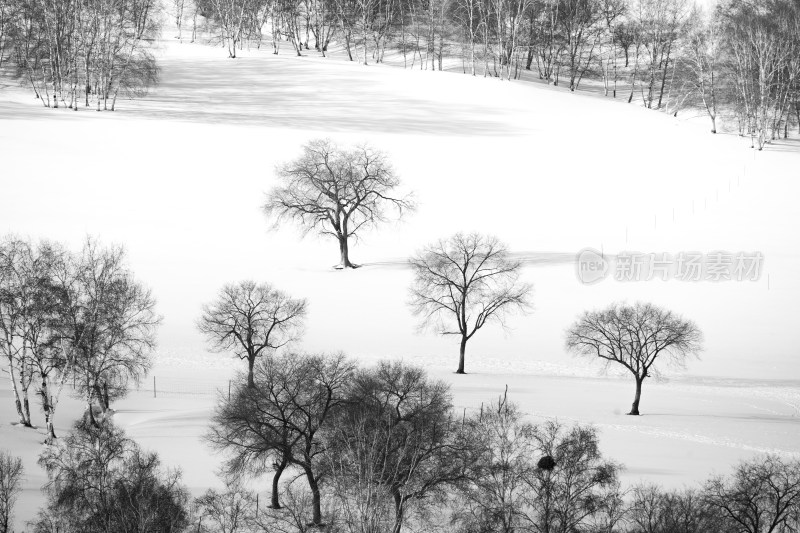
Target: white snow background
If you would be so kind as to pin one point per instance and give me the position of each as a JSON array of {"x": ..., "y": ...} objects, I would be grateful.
[{"x": 179, "y": 176}]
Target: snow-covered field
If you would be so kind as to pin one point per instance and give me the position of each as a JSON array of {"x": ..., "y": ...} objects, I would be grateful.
[{"x": 179, "y": 176}]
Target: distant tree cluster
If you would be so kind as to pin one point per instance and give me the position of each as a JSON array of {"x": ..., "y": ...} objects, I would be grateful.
[
  {"x": 71, "y": 319},
  {"x": 740, "y": 60},
  {"x": 81, "y": 53}
]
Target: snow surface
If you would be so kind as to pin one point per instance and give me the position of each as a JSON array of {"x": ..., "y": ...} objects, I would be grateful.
[{"x": 178, "y": 178}]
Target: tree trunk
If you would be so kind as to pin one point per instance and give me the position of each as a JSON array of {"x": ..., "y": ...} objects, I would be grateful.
[
  {"x": 49, "y": 411},
  {"x": 344, "y": 253},
  {"x": 106, "y": 400},
  {"x": 90, "y": 407},
  {"x": 17, "y": 401},
  {"x": 251, "y": 360},
  {"x": 316, "y": 497},
  {"x": 25, "y": 383},
  {"x": 102, "y": 397},
  {"x": 399, "y": 508},
  {"x": 92, "y": 419},
  {"x": 26, "y": 408},
  {"x": 276, "y": 478},
  {"x": 635, "y": 406},
  {"x": 461, "y": 352}
]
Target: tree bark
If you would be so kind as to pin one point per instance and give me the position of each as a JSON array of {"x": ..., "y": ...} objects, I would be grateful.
[
  {"x": 17, "y": 401},
  {"x": 635, "y": 406},
  {"x": 344, "y": 253},
  {"x": 316, "y": 497},
  {"x": 92, "y": 419},
  {"x": 102, "y": 397},
  {"x": 276, "y": 478},
  {"x": 399, "y": 508},
  {"x": 461, "y": 352},
  {"x": 251, "y": 360}
]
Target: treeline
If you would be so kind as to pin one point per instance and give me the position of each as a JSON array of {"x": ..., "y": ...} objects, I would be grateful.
[
  {"x": 381, "y": 449},
  {"x": 76, "y": 319},
  {"x": 80, "y": 53},
  {"x": 740, "y": 61}
]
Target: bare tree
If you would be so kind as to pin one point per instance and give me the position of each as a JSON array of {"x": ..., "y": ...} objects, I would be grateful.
[
  {"x": 15, "y": 312},
  {"x": 391, "y": 446},
  {"x": 468, "y": 279},
  {"x": 39, "y": 291},
  {"x": 572, "y": 482},
  {"x": 499, "y": 449},
  {"x": 7, "y": 16},
  {"x": 282, "y": 419},
  {"x": 49, "y": 276},
  {"x": 73, "y": 51},
  {"x": 646, "y": 508},
  {"x": 251, "y": 320},
  {"x": 101, "y": 481},
  {"x": 636, "y": 337},
  {"x": 335, "y": 191},
  {"x": 661, "y": 25},
  {"x": 703, "y": 61},
  {"x": 230, "y": 511},
  {"x": 255, "y": 448},
  {"x": 761, "y": 496},
  {"x": 762, "y": 40},
  {"x": 11, "y": 472},
  {"x": 111, "y": 325}
]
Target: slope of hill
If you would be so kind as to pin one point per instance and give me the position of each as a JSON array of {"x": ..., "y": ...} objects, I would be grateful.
[{"x": 178, "y": 178}]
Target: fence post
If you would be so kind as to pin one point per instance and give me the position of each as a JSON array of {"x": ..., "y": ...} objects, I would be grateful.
[
  {"x": 256, "y": 505},
  {"x": 154, "y": 386},
  {"x": 229, "y": 390}
]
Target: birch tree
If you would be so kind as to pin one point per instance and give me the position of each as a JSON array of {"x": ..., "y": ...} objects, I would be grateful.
[
  {"x": 112, "y": 327},
  {"x": 16, "y": 314},
  {"x": 703, "y": 62}
]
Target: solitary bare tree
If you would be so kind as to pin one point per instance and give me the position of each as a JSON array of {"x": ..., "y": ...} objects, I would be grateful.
[
  {"x": 469, "y": 278},
  {"x": 250, "y": 319},
  {"x": 635, "y": 336},
  {"x": 337, "y": 192}
]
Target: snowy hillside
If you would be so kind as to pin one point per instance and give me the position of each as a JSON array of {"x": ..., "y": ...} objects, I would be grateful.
[{"x": 179, "y": 178}]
